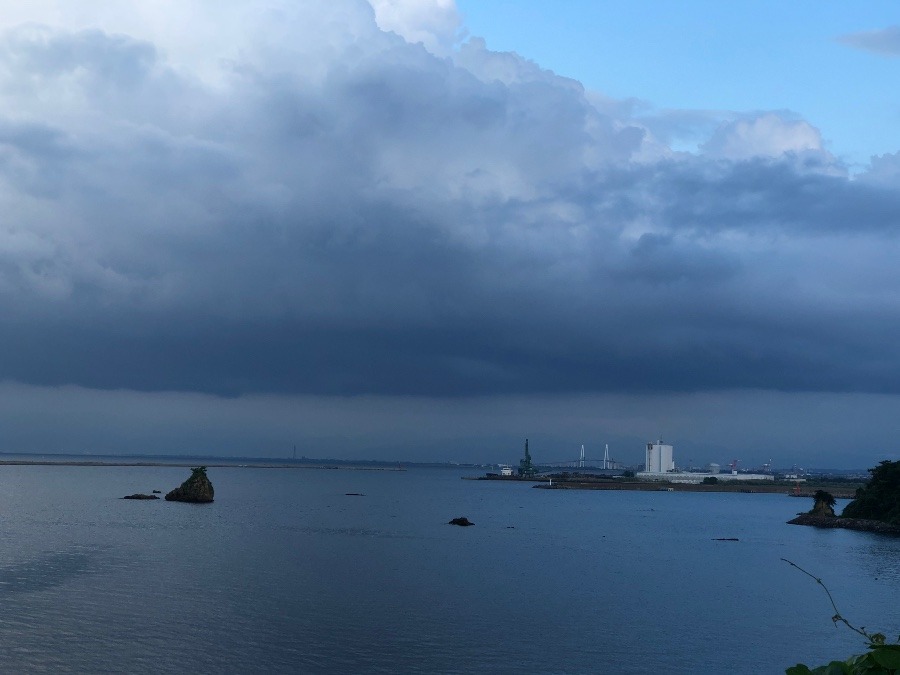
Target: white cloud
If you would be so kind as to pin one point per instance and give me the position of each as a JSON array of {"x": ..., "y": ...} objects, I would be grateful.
[
  {"x": 765, "y": 135},
  {"x": 883, "y": 170},
  {"x": 434, "y": 23}
]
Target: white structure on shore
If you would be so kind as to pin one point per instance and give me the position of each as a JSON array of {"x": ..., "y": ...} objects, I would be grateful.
[
  {"x": 660, "y": 466},
  {"x": 693, "y": 477},
  {"x": 659, "y": 458}
]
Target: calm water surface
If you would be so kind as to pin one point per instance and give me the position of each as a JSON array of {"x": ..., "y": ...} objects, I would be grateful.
[{"x": 286, "y": 573}]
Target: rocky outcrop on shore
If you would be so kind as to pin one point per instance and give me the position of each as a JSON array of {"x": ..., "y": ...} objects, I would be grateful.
[
  {"x": 822, "y": 509},
  {"x": 859, "y": 524},
  {"x": 197, "y": 489}
]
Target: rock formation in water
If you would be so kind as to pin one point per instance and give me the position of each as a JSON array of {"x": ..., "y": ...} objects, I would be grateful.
[
  {"x": 197, "y": 489},
  {"x": 140, "y": 495},
  {"x": 823, "y": 505},
  {"x": 875, "y": 509},
  {"x": 461, "y": 521}
]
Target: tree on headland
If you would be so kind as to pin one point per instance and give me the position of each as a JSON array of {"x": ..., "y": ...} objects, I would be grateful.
[
  {"x": 824, "y": 503},
  {"x": 879, "y": 499}
]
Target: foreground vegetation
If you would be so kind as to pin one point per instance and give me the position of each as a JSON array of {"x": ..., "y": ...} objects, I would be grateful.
[{"x": 878, "y": 500}]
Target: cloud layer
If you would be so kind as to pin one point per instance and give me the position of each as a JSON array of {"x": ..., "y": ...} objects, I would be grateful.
[{"x": 315, "y": 205}]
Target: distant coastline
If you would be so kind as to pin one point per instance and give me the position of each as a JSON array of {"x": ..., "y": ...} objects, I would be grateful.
[
  {"x": 224, "y": 464},
  {"x": 545, "y": 483}
]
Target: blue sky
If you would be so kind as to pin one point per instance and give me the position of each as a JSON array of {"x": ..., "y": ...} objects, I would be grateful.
[
  {"x": 717, "y": 56},
  {"x": 354, "y": 227}
]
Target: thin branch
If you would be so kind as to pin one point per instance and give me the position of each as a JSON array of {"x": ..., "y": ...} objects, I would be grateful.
[{"x": 837, "y": 614}]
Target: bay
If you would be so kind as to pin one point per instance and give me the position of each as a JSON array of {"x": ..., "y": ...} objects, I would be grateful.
[{"x": 286, "y": 572}]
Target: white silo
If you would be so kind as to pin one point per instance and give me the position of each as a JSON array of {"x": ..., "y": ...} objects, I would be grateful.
[{"x": 659, "y": 458}]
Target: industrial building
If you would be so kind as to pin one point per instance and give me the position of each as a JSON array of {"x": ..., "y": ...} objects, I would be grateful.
[
  {"x": 659, "y": 458},
  {"x": 660, "y": 465},
  {"x": 694, "y": 477}
]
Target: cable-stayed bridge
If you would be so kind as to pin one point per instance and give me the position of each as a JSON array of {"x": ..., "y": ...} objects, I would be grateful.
[{"x": 583, "y": 462}]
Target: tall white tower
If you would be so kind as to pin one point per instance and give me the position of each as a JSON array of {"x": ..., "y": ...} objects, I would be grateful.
[{"x": 659, "y": 458}]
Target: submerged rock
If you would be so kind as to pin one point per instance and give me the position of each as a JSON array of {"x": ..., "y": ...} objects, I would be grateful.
[
  {"x": 197, "y": 489},
  {"x": 140, "y": 495},
  {"x": 461, "y": 521}
]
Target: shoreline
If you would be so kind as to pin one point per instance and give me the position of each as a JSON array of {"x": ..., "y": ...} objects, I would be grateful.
[
  {"x": 694, "y": 487},
  {"x": 835, "y": 522},
  {"x": 660, "y": 486}
]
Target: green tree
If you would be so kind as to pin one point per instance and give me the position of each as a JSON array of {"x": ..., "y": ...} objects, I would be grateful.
[
  {"x": 824, "y": 503},
  {"x": 879, "y": 499},
  {"x": 710, "y": 480},
  {"x": 879, "y": 660}
]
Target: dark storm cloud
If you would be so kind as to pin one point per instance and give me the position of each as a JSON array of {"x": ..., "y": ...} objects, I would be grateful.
[
  {"x": 789, "y": 196},
  {"x": 363, "y": 217}
]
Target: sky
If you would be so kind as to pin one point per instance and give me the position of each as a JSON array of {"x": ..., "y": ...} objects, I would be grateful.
[
  {"x": 423, "y": 230},
  {"x": 828, "y": 63}
]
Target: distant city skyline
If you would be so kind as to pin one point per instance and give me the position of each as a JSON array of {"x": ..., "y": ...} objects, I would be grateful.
[{"x": 426, "y": 230}]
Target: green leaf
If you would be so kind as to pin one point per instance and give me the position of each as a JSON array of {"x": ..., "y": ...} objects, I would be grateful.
[
  {"x": 799, "y": 669},
  {"x": 833, "y": 668},
  {"x": 887, "y": 658},
  {"x": 837, "y": 668}
]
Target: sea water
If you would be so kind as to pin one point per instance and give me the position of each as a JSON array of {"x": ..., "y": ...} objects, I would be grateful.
[{"x": 286, "y": 572}]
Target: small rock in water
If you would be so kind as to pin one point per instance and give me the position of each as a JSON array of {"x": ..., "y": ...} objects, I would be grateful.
[
  {"x": 461, "y": 521},
  {"x": 140, "y": 495},
  {"x": 354, "y": 494},
  {"x": 197, "y": 489},
  {"x": 726, "y": 539}
]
